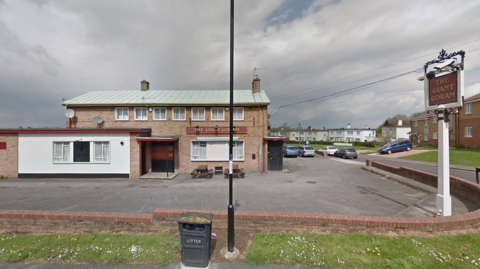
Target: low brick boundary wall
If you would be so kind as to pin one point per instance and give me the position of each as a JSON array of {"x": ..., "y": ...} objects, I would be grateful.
[
  {"x": 32, "y": 221},
  {"x": 321, "y": 153},
  {"x": 463, "y": 188}
]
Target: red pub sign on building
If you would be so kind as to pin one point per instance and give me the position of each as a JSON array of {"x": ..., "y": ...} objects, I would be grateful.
[{"x": 216, "y": 130}]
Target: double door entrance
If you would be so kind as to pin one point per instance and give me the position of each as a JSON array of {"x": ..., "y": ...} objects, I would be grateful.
[{"x": 160, "y": 156}]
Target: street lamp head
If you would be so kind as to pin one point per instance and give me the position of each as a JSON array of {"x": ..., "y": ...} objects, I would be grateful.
[{"x": 431, "y": 74}]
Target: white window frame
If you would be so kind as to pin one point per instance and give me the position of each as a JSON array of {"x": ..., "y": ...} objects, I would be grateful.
[
  {"x": 435, "y": 135},
  {"x": 159, "y": 108},
  {"x": 468, "y": 132},
  {"x": 94, "y": 157},
  {"x": 195, "y": 155},
  {"x": 200, "y": 118},
  {"x": 426, "y": 122},
  {"x": 72, "y": 153},
  {"x": 416, "y": 123},
  {"x": 435, "y": 119},
  {"x": 142, "y": 109},
  {"x": 468, "y": 108},
  {"x": 234, "y": 114},
  {"x": 349, "y": 132},
  {"x": 425, "y": 137},
  {"x": 184, "y": 114},
  {"x": 217, "y": 108},
  {"x": 64, "y": 143},
  {"x": 116, "y": 113}
]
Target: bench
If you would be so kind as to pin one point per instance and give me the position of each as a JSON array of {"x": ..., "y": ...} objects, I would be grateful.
[
  {"x": 236, "y": 172},
  {"x": 202, "y": 170}
]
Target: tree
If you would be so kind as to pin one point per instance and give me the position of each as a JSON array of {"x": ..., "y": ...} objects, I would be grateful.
[{"x": 392, "y": 121}]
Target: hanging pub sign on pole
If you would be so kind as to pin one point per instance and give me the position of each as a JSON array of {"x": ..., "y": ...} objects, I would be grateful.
[{"x": 443, "y": 85}]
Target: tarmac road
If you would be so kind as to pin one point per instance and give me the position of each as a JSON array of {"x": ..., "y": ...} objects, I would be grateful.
[
  {"x": 313, "y": 185},
  {"x": 455, "y": 170}
]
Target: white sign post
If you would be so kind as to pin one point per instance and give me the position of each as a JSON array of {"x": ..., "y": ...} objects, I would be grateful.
[
  {"x": 444, "y": 200},
  {"x": 443, "y": 93}
]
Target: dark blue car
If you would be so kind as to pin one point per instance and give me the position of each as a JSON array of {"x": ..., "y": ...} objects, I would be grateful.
[{"x": 396, "y": 146}]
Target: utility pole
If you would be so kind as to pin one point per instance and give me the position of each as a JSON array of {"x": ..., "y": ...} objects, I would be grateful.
[{"x": 231, "y": 209}]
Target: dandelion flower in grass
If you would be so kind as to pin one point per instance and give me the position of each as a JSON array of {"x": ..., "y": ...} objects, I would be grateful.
[
  {"x": 368, "y": 249},
  {"x": 378, "y": 254}
]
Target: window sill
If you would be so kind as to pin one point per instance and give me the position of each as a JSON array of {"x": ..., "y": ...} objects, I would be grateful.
[
  {"x": 83, "y": 163},
  {"x": 196, "y": 160}
]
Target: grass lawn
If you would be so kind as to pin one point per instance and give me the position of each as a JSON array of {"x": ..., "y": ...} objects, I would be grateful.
[
  {"x": 427, "y": 147},
  {"x": 90, "y": 248},
  {"x": 466, "y": 157},
  {"x": 365, "y": 251}
]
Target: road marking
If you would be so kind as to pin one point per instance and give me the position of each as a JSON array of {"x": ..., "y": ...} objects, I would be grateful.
[{"x": 345, "y": 161}]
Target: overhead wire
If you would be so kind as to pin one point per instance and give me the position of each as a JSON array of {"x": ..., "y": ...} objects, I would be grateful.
[
  {"x": 340, "y": 93},
  {"x": 274, "y": 98},
  {"x": 358, "y": 88}
]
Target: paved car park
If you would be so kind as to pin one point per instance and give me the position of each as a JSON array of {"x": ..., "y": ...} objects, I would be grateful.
[{"x": 322, "y": 185}]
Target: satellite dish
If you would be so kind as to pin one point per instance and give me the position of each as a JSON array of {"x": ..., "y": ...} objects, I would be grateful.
[
  {"x": 69, "y": 113},
  {"x": 97, "y": 119}
]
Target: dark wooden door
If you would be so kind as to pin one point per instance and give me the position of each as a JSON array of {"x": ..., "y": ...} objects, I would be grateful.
[
  {"x": 275, "y": 156},
  {"x": 162, "y": 157}
]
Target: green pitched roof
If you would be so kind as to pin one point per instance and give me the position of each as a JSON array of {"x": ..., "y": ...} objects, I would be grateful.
[{"x": 168, "y": 97}]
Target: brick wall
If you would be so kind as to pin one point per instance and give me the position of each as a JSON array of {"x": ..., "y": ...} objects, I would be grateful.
[
  {"x": 255, "y": 118},
  {"x": 39, "y": 222},
  {"x": 9, "y": 156},
  {"x": 458, "y": 186}
]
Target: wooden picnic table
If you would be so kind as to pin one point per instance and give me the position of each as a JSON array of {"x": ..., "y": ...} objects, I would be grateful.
[
  {"x": 202, "y": 170},
  {"x": 236, "y": 171}
]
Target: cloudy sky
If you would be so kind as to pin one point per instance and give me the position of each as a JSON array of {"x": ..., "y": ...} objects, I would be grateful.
[{"x": 304, "y": 50}]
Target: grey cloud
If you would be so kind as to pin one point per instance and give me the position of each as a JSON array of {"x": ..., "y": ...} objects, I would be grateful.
[{"x": 184, "y": 44}]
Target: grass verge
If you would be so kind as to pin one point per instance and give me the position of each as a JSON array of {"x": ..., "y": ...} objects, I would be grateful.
[
  {"x": 466, "y": 157},
  {"x": 365, "y": 251},
  {"x": 90, "y": 248},
  {"x": 426, "y": 147}
]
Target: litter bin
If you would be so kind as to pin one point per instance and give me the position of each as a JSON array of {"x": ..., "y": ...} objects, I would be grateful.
[{"x": 195, "y": 231}]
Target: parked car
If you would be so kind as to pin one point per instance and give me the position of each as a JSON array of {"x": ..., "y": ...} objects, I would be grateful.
[
  {"x": 306, "y": 151},
  {"x": 346, "y": 153},
  {"x": 289, "y": 150},
  {"x": 396, "y": 146},
  {"x": 329, "y": 150}
]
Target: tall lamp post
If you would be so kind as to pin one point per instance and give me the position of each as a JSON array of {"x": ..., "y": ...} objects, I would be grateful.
[{"x": 231, "y": 209}]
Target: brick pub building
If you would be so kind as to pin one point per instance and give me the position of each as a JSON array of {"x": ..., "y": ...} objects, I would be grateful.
[{"x": 134, "y": 132}]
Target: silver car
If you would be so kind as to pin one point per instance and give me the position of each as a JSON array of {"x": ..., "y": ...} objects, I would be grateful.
[
  {"x": 306, "y": 151},
  {"x": 330, "y": 150}
]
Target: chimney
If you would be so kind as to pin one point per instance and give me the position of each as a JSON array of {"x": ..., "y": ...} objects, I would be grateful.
[
  {"x": 309, "y": 128},
  {"x": 399, "y": 122},
  {"x": 256, "y": 84},
  {"x": 145, "y": 85},
  {"x": 366, "y": 126},
  {"x": 323, "y": 128},
  {"x": 348, "y": 126}
]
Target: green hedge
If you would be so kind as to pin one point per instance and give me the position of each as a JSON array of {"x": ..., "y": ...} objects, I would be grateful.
[
  {"x": 293, "y": 142},
  {"x": 365, "y": 144}
]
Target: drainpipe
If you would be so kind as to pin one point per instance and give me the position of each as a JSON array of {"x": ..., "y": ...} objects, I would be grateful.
[{"x": 264, "y": 155}]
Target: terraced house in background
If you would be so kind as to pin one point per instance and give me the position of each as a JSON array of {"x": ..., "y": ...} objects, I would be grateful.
[
  {"x": 132, "y": 132},
  {"x": 464, "y": 126}
]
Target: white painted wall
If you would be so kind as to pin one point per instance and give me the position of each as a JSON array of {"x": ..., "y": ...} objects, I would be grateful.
[
  {"x": 402, "y": 133},
  {"x": 35, "y": 153}
]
